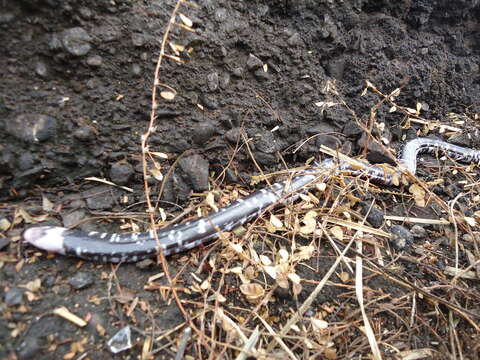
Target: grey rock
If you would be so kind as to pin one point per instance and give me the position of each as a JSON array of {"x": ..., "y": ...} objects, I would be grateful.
[
  {"x": 376, "y": 153},
  {"x": 30, "y": 348},
  {"x": 331, "y": 141},
  {"x": 237, "y": 72},
  {"x": 203, "y": 132},
  {"x": 4, "y": 243},
  {"x": 108, "y": 32},
  {"x": 351, "y": 129},
  {"x": 84, "y": 133},
  {"x": 76, "y": 41},
  {"x": 136, "y": 69},
  {"x": 7, "y": 17},
  {"x": 224, "y": 80},
  {"x": 138, "y": 40},
  {"x": 209, "y": 101},
  {"x": 99, "y": 198},
  {"x": 195, "y": 171},
  {"x": 121, "y": 173},
  {"x": 265, "y": 159},
  {"x": 401, "y": 237},
  {"x": 260, "y": 74},
  {"x": 81, "y": 280},
  {"x": 32, "y": 127},
  {"x": 233, "y": 135},
  {"x": 221, "y": 15},
  {"x": 418, "y": 231},
  {"x": 253, "y": 62},
  {"x": 85, "y": 13},
  {"x": 375, "y": 215},
  {"x": 145, "y": 264},
  {"x": 25, "y": 161},
  {"x": 212, "y": 81},
  {"x": 295, "y": 40},
  {"x": 336, "y": 68},
  {"x": 73, "y": 218},
  {"x": 266, "y": 142},
  {"x": 95, "y": 61},
  {"x": 41, "y": 69},
  {"x": 14, "y": 297}
]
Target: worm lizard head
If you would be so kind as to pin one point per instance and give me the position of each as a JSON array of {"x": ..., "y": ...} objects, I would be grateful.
[{"x": 49, "y": 238}]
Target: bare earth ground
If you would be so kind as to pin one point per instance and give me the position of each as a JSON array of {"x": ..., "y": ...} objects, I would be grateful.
[{"x": 259, "y": 86}]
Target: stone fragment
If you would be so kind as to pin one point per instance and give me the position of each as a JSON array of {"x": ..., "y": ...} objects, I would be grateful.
[
  {"x": 81, "y": 280},
  {"x": 401, "y": 237},
  {"x": 195, "y": 171},
  {"x": 32, "y": 127},
  {"x": 253, "y": 62},
  {"x": 121, "y": 173},
  {"x": 76, "y": 41}
]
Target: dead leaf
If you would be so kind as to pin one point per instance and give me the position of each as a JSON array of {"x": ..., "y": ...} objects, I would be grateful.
[
  {"x": 252, "y": 291},
  {"x": 271, "y": 270},
  {"x": 284, "y": 255},
  {"x": 344, "y": 276},
  {"x": 470, "y": 221},
  {"x": 167, "y": 95},
  {"x": 157, "y": 174},
  {"x": 265, "y": 260},
  {"x": 337, "y": 231},
  {"x": 276, "y": 222},
  {"x": 294, "y": 278},
  {"x": 418, "y": 194},
  {"x": 4, "y": 224},
  {"x": 33, "y": 285},
  {"x": 210, "y": 201},
  {"x": 47, "y": 205},
  {"x": 186, "y": 20},
  {"x": 318, "y": 324}
]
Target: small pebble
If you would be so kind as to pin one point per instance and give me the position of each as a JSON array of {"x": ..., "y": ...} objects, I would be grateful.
[
  {"x": 81, "y": 280},
  {"x": 30, "y": 348},
  {"x": 4, "y": 242},
  {"x": 375, "y": 215},
  {"x": 32, "y": 127},
  {"x": 209, "y": 101},
  {"x": 84, "y": 133},
  {"x": 76, "y": 41},
  {"x": 253, "y": 62},
  {"x": 195, "y": 171},
  {"x": 212, "y": 81},
  {"x": 265, "y": 142},
  {"x": 237, "y": 72},
  {"x": 136, "y": 69},
  {"x": 138, "y": 40},
  {"x": 41, "y": 69},
  {"x": 401, "y": 237},
  {"x": 14, "y": 297},
  {"x": 295, "y": 40},
  {"x": 418, "y": 231},
  {"x": 145, "y": 264},
  {"x": 121, "y": 173},
  {"x": 73, "y": 218},
  {"x": 203, "y": 132},
  {"x": 260, "y": 74},
  {"x": 99, "y": 198},
  {"x": 95, "y": 61}
]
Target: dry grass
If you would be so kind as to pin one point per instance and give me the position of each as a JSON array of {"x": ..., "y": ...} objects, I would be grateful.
[{"x": 371, "y": 301}]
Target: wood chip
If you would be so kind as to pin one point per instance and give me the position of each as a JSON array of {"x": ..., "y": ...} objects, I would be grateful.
[{"x": 67, "y": 315}]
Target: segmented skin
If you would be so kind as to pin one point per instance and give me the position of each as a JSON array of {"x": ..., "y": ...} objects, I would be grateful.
[{"x": 180, "y": 237}]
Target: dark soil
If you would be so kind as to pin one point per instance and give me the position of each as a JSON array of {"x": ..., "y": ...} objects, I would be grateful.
[{"x": 75, "y": 98}]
